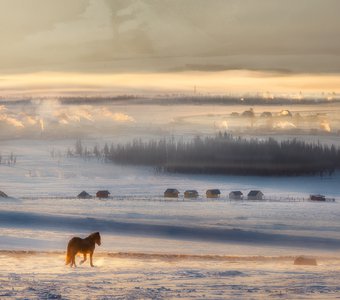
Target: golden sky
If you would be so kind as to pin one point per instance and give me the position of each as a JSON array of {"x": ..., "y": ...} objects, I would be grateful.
[
  {"x": 224, "y": 82},
  {"x": 171, "y": 45}
]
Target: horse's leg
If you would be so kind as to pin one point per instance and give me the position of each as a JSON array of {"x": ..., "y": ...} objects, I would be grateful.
[
  {"x": 84, "y": 260},
  {"x": 71, "y": 260},
  {"x": 91, "y": 262},
  {"x": 74, "y": 261}
]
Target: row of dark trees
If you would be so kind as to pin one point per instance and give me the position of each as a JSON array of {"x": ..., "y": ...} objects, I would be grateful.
[
  {"x": 88, "y": 153},
  {"x": 225, "y": 154},
  {"x": 8, "y": 160},
  {"x": 181, "y": 99}
]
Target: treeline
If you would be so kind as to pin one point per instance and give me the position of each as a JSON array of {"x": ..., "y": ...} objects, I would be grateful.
[
  {"x": 181, "y": 99},
  {"x": 9, "y": 160},
  {"x": 225, "y": 154},
  {"x": 232, "y": 100},
  {"x": 95, "y": 100}
]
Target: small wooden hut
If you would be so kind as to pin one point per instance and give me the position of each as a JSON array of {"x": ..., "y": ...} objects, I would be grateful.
[
  {"x": 266, "y": 114},
  {"x": 103, "y": 194},
  {"x": 285, "y": 113},
  {"x": 248, "y": 113},
  {"x": 255, "y": 195},
  {"x": 236, "y": 195},
  {"x": 190, "y": 194},
  {"x": 84, "y": 195},
  {"x": 171, "y": 193},
  {"x": 3, "y": 195},
  {"x": 213, "y": 193},
  {"x": 317, "y": 197}
]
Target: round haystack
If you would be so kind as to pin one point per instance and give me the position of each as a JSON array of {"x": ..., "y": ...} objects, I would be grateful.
[{"x": 305, "y": 261}]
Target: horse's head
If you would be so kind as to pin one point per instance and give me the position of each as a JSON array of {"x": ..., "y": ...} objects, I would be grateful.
[{"x": 97, "y": 238}]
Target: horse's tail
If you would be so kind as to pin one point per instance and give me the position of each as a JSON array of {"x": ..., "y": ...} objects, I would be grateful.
[{"x": 68, "y": 255}]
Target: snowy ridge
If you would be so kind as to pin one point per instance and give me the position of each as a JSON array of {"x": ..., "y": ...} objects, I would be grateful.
[
  {"x": 181, "y": 232},
  {"x": 180, "y": 198},
  {"x": 173, "y": 256}
]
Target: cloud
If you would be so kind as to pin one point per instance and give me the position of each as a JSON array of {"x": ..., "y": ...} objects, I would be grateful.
[
  {"x": 145, "y": 35},
  {"x": 92, "y": 25}
]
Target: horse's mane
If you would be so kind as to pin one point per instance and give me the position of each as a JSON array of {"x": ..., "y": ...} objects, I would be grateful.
[{"x": 94, "y": 235}]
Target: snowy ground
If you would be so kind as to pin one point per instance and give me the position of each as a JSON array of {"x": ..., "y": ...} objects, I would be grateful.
[
  {"x": 170, "y": 245},
  {"x": 174, "y": 249},
  {"x": 43, "y": 276}
]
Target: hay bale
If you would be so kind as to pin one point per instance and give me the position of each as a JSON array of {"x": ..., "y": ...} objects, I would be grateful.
[{"x": 305, "y": 261}]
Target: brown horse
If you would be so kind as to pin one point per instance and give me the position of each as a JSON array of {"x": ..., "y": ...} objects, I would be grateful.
[{"x": 84, "y": 246}]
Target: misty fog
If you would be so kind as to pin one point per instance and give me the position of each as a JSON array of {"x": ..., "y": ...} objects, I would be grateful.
[{"x": 53, "y": 119}]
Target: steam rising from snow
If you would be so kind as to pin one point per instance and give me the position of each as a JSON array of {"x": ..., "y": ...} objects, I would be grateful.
[
  {"x": 223, "y": 125},
  {"x": 284, "y": 125},
  {"x": 9, "y": 119},
  {"x": 41, "y": 122},
  {"x": 53, "y": 119},
  {"x": 118, "y": 117},
  {"x": 43, "y": 115},
  {"x": 325, "y": 126}
]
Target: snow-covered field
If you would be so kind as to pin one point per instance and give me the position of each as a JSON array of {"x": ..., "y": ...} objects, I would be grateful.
[
  {"x": 170, "y": 246},
  {"x": 43, "y": 276},
  {"x": 154, "y": 248}
]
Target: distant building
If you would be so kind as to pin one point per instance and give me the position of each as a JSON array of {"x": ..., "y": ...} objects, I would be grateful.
[
  {"x": 248, "y": 113},
  {"x": 285, "y": 113},
  {"x": 84, "y": 195},
  {"x": 255, "y": 195},
  {"x": 266, "y": 114},
  {"x": 190, "y": 194},
  {"x": 236, "y": 195},
  {"x": 3, "y": 195},
  {"x": 103, "y": 194},
  {"x": 171, "y": 193},
  {"x": 214, "y": 193},
  {"x": 317, "y": 197}
]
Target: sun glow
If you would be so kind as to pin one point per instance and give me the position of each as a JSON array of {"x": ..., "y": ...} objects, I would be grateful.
[{"x": 223, "y": 82}]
